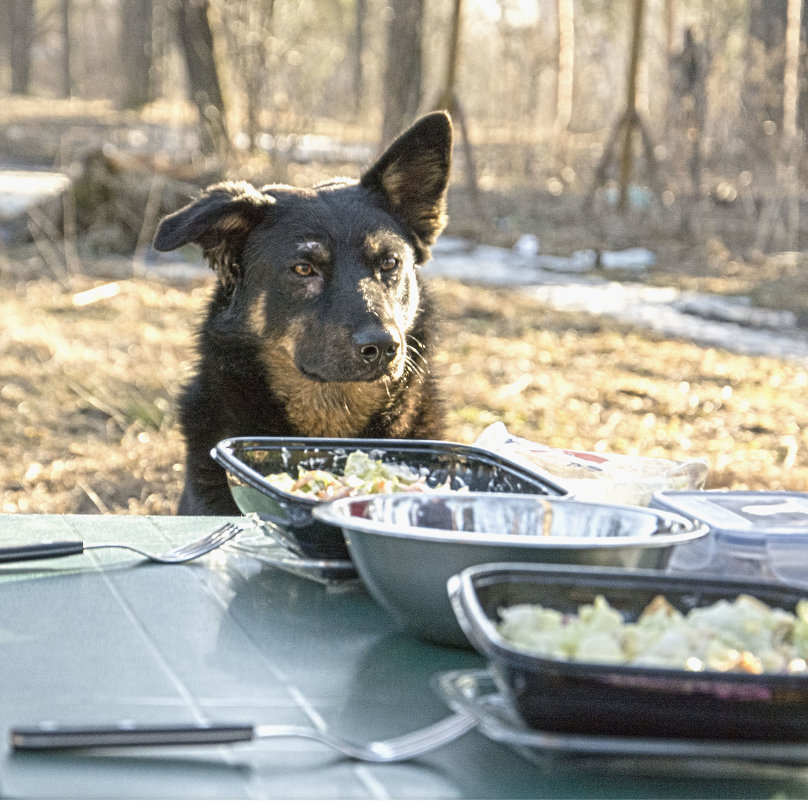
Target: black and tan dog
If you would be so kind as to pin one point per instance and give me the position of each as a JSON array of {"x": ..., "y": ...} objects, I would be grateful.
[{"x": 318, "y": 325}]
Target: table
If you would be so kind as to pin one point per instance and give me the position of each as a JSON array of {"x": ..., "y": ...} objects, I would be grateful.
[{"x": 103, "y": 636}]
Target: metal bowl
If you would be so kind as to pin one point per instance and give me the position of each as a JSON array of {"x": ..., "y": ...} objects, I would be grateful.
[
  {"x": 248, "y": 460},
  {"x": 405, "y": 547},
  {"x": 558, "y": 695}
]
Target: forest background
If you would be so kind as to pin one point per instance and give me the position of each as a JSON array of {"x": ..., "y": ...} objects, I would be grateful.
[{"x": 674, "y": 125}]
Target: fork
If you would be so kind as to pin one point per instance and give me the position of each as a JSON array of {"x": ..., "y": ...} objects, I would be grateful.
[
  {"x": 52, "y": 737},
  {"x": 184, "y": 553}
]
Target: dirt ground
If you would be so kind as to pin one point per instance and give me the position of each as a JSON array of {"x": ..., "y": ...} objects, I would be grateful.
[
  {"x": 88, "y": 385},
  {"x": 91, "y": 362}
]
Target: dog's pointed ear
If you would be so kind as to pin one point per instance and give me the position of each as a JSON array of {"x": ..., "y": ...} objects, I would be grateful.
[
  {"x": 413, "y": 174},
  {"x": 218, "y": 222}
]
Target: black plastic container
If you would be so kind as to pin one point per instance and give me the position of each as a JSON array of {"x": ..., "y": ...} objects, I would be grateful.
[
  {"x": 588, "y": 698},
  {"x": 248, "y": 460}
]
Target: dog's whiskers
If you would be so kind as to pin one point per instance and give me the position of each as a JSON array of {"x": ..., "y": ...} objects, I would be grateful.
[
  {"x": 415, "y": 343},
  {"x": 420, "y": 358},
  {"x": 412, "y": 367},
  {"x": 415, "y": 362}
]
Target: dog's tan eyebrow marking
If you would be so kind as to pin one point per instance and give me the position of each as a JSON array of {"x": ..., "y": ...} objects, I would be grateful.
[
  {"x": 383, "y": 242},
  {"x": 375, "y": 240}
]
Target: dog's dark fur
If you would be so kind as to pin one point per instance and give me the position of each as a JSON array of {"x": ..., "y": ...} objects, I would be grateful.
[{"x": 318, "y": 325}]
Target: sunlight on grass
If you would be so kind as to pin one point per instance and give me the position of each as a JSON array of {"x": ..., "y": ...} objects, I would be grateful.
[{"x": 87, "y": 396}]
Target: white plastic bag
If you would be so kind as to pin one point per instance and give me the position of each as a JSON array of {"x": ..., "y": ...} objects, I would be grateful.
[{"x": 599, "y": 477}]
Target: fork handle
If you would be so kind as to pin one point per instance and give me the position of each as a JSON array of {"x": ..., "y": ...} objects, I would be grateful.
[
  {"x": 40, "y": 550},
  {"x": 49, "y": 737}
]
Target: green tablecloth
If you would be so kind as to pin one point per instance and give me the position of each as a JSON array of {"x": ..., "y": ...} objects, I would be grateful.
[{"x": 103, "y": 636}]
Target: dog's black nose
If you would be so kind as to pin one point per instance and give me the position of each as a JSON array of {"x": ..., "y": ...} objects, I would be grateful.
[{"x": 375, "y": 345}]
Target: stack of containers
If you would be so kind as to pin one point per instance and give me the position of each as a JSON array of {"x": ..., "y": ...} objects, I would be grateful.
[{"x": 754, "y": 534}]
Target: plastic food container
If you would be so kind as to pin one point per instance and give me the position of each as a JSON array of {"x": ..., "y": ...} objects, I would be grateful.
[
  {"x": 597, "y": 477},
  {"x": 758, "y": 534},
  {"x": 559, "y": 695},
  {"x": 248, "y": 460}
]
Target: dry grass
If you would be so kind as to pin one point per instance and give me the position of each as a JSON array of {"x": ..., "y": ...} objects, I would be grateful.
[
  {"x": 87, "y": 392},
  {"x": 89, "y": 425},
  {"x": 577, "y": 381},
  {"x": 86, "y": 401}
]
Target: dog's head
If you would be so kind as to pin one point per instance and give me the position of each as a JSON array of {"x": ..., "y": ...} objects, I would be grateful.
[{"x": 324, "y": 280}]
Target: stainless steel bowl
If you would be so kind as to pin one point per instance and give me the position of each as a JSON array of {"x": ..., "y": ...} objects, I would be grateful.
[{"x": 406, "y": 547}]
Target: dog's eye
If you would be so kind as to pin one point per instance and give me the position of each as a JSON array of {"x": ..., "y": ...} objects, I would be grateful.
[
  {"x": 390, "y": 262},
  {"x": 304, "y": 270}
]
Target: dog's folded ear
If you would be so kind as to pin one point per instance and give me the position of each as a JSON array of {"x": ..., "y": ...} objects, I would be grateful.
[
  {"x": 232, "y": 208},
  {"x": 413, "y": 174},
  {"x": 218, "y": 222}
]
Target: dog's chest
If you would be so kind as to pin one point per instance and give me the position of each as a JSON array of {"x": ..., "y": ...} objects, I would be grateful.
[{"x": 317, "y": 409}]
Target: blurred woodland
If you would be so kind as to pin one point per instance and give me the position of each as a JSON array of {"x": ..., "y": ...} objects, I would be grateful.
[
  {"x": 676, "y": 125},
  {"x": 689, "y": 113}
]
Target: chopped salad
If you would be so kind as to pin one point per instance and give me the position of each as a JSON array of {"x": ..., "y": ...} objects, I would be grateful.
[
  {"x": 744, "y": 635},
  {"x": 362, "y": 475}
]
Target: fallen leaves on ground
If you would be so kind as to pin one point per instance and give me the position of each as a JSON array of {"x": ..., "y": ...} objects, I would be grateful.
[{"x": 87, "y": 392}]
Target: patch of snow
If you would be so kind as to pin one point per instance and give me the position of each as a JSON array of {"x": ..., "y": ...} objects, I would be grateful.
[
  {"x": 526, "y": 254},
  {"x": 526, "y": 246},
  {"x": 733, "y": 324},
  {"x": 628, "y": 259},
  {"x": 657, "y": 309},
  {"x": 736, "y": 310},
  {"x": 582, "y": 261},
  {"x": 21, "y": 190}
]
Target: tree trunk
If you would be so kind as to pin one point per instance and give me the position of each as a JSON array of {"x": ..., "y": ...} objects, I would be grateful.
[
  {"x": 802, "y": 105},
  {"x": 566, "y": 65},
  {"x": 64, "y": 19},
  {"x": 449, "y": 101},
  {"x": 763, "y": 92},
  {"x": 360, "y": 15},
  {"x": 403, "y": 71},
  {"x": 669, "y": 26},
  {"x": 22, "y": 36},
  {"x": 791, "y": 72},
  {"x": 256, "y": 54},
  {"x": 626, "y": 157},
  {"x": 136, "y": 52},
  {"x": 196, "y": 41},
  {"x": 792, "y": 141},
  {"x": 452, "y": 56}
]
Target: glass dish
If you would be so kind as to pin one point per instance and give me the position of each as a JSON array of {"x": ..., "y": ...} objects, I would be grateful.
[
  {"x": 261, "y": 545},
  {"x": 477, "y": 692}
]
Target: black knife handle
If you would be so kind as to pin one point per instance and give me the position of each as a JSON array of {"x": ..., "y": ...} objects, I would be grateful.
[
  {"x": 47, "y": 737},
  {"x": 40, "y": 550}
]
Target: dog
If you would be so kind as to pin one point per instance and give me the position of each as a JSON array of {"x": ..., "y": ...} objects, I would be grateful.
[{"x": 318, "y": 325}]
